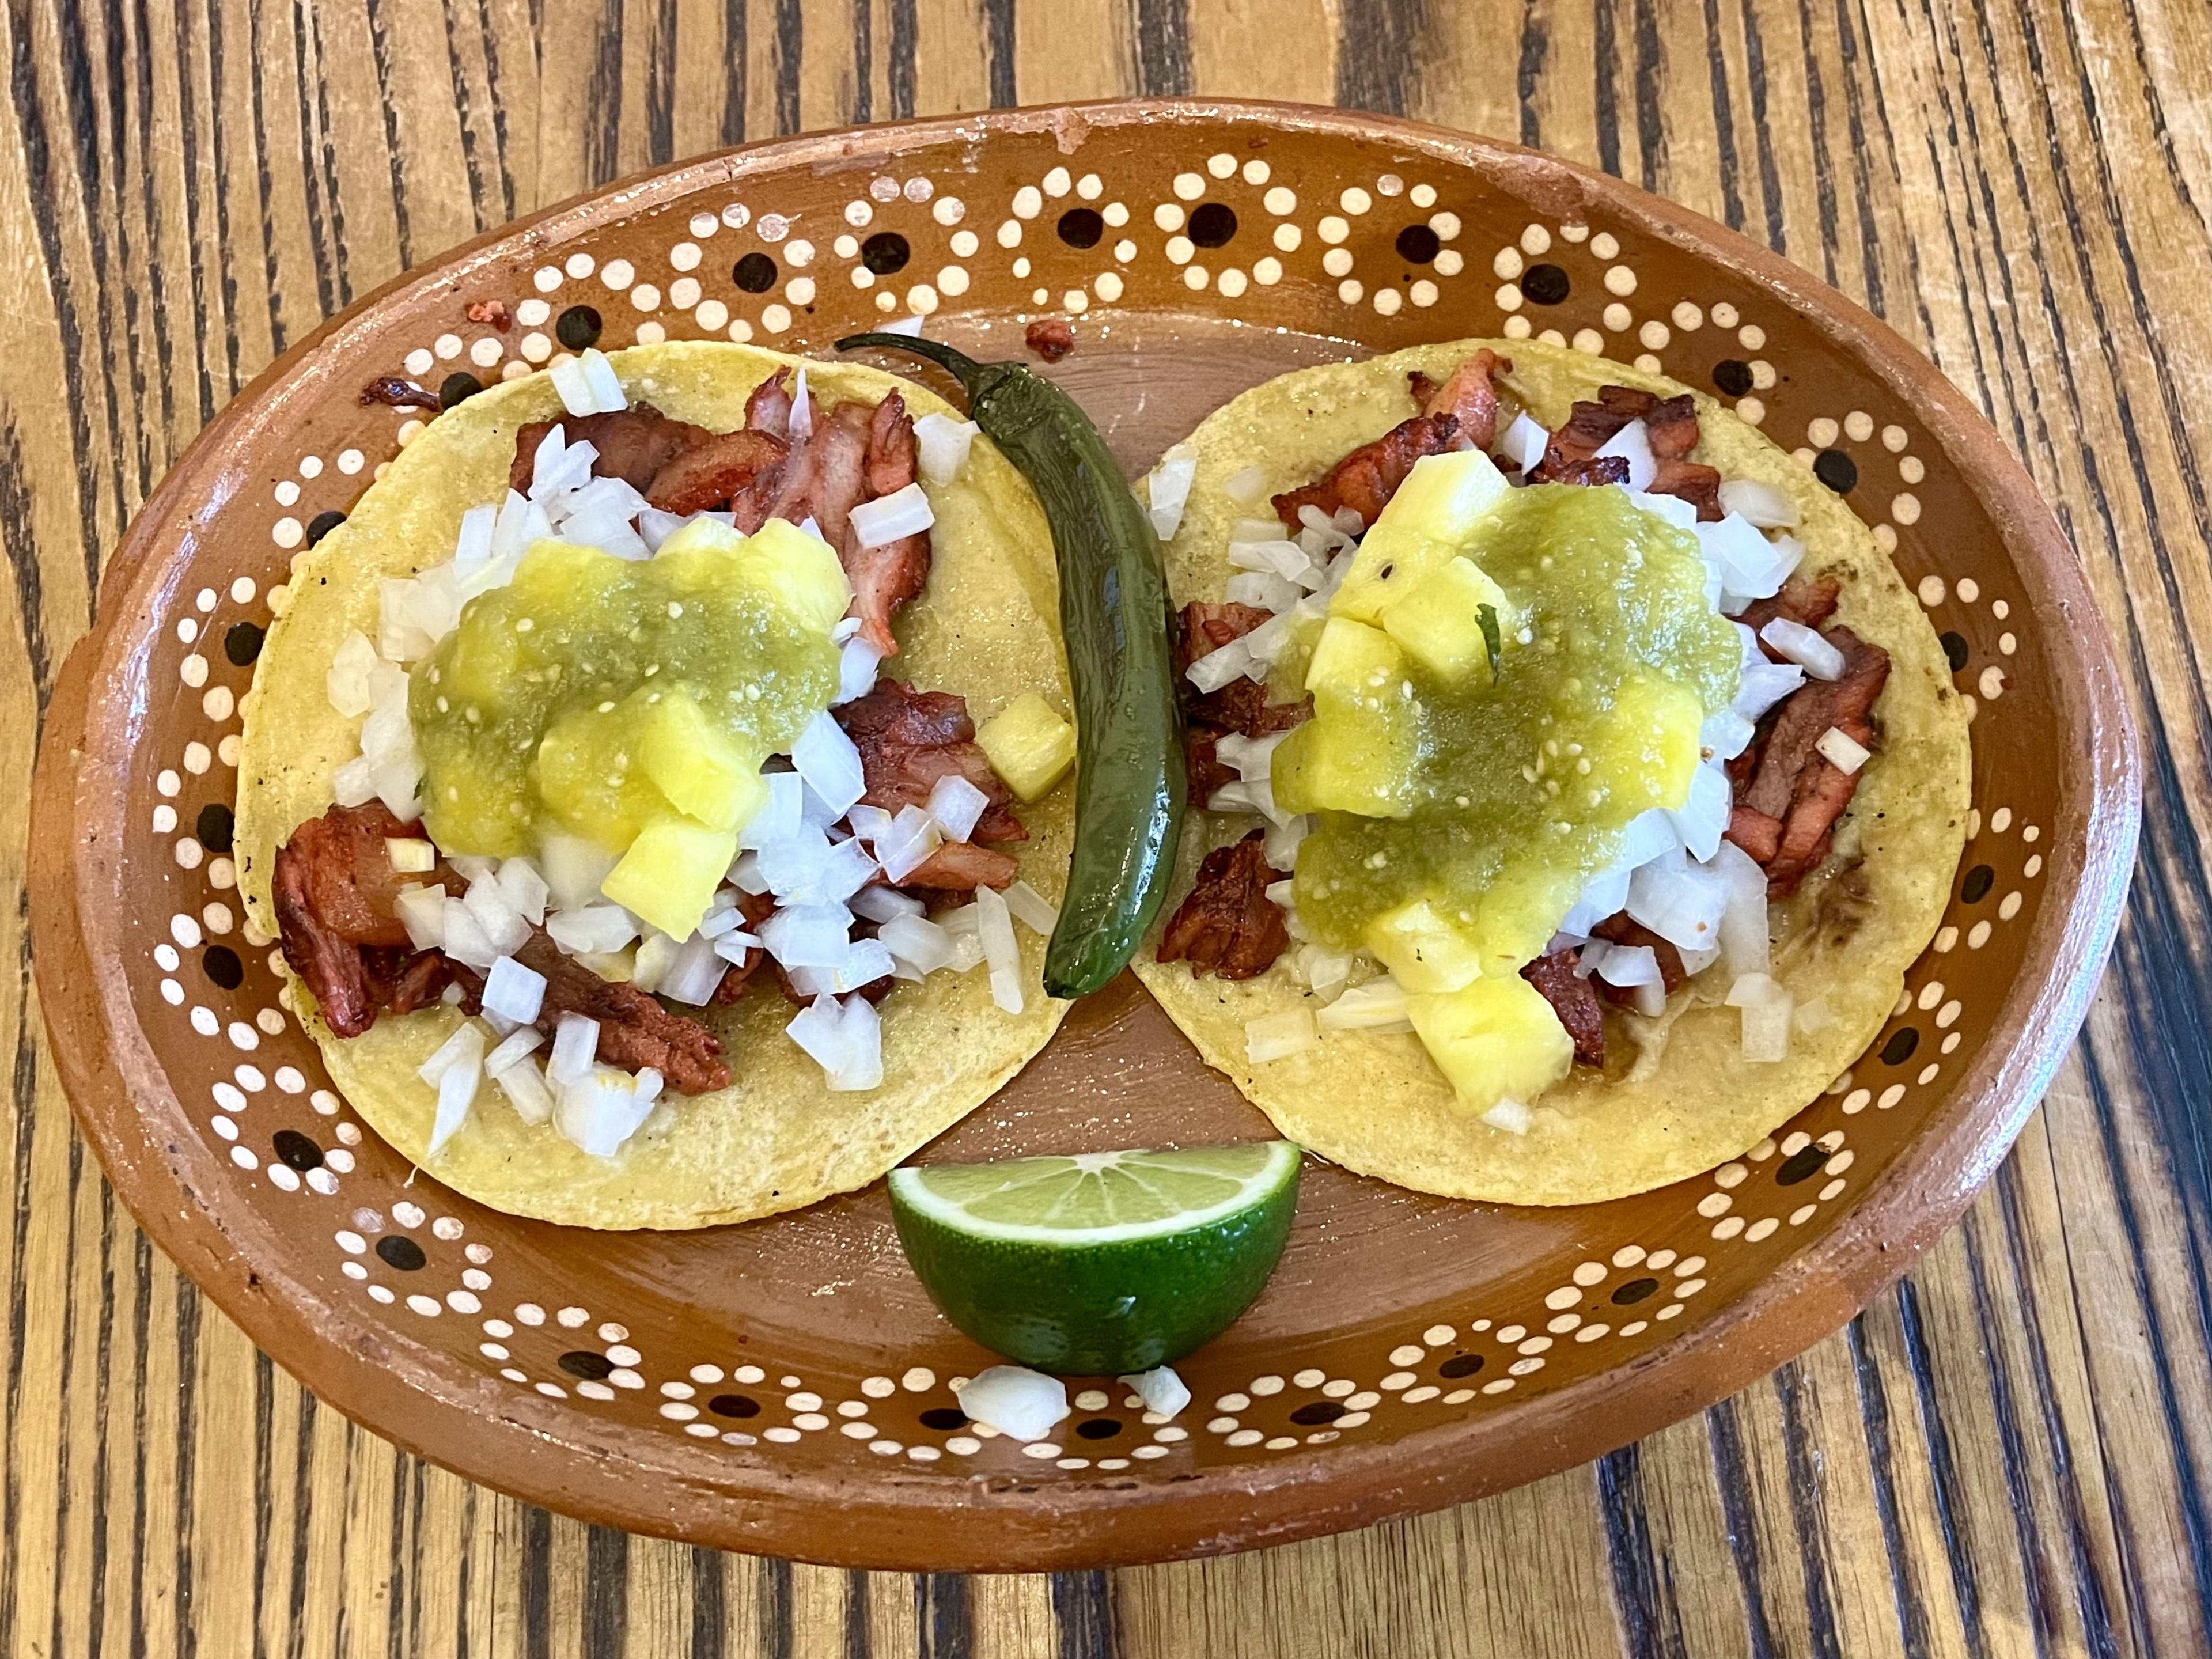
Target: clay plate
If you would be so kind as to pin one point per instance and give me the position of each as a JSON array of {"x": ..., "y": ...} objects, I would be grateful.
[{"x": 784, "y": 1386}]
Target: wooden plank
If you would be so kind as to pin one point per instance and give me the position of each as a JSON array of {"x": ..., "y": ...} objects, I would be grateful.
[{"x": 2009, "y": 1453}]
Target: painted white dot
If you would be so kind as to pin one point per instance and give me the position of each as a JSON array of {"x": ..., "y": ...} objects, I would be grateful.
[
  {"x": 1337, "y": 262},
  {"x": 1332, "y": 229},
  {"x": 1589, "y": 340},
  {"x": 775, "y": 319},
  {"x": 1655, "y": 335}
]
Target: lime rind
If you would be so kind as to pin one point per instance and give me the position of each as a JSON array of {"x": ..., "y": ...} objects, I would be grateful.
[{"x": 1169, "y": 1215}]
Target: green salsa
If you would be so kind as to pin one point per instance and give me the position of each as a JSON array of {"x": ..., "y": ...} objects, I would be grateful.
[
  {"x": 1507, "y": 794},
  {"x": 596, "y": 695}
]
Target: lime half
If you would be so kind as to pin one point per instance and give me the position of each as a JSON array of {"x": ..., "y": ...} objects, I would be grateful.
[{"x": 1101, "y": 1263}]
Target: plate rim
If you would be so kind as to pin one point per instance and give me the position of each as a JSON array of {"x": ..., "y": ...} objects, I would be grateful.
[{"x": 531, "y": 1448}]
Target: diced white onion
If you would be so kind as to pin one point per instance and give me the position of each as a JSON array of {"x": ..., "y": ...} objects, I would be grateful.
[
  {"x": 604, "y": 1108},
  {"x": 1524, "y": 442},
  {"x": 1679, "y": 901},
  {"x": 808, "y": 935},
  {"x": 858, "y": 661},
  {"x": 1264, "y": 589},
  {"x": 778, "y": 818},
  {"x": 1217, "y": 668},
  {"x": 1805, "y": 647},
  {"x": 1163, "y": 1393},
  {"x": 458, "y": 1080},
  {"x": 1019, "y": 1403},
  {"x": 606, "y": 386},
  {"x": 523, "y": 1085},
  {"x": 346, "y": 683},
  {"x": 1650, "y": 1001},
  {"x": 655, "y": 527},
  {"x": 560, "y": 466},
  {"x": 905, "y": 512},
  {"x": 578, "y": 395},
  {"x": 1767, "y": 1006},
  {"x": 575, "y": 1042},
  {"x": 574, "y": 868},
  {"x": 1510, "y": 1116},
  {"x": 1673, "y": 508},
  {"x": 734, "y": 948},
  {"x": 1696, "y": 962},
  {"x": 593, "y": 929},
  {"x": 825, "y": 758},
  {"x": 513, "y": 1048},
  {"x": 1842, "y": 750},
  {"x": 745, "y": 874},
  {"x": 525, "y": 889},
  {"x": 995, "y": 924},
  {"x": 1379, "y": 1002},
  {"x": 464, "y": 1040},
  {"x": 1726, "y": 734},
  {"x": 1632, "y": 444},
  {"x": 1248, "y": 486},
  {"x": 422, "y": 913},
  {"x": 1032, "y": 908},
  {"x": 958, "y": 806},
  {"x": 1763, "y": 686},
  {"x": 917, "y": 941},
  {"x": 513, "y": 992},
  {"x": 488, "y": 902},
  {"x": 1168, "y": 490},
  {"x": 1281, "y": 842},
  {"x": 1758, "y": 503},
  {"x": 1625, "y": 965},
  {"x": 1277, "y": 1037},
  {"x": 880, "y": 904},
  {"x": 862, "y": 1029},
  {"x": 1702, "y": 819},
  {"x": 695, "y": 974},
  {"x": 1277, "y": 553},
  {"x": 409, "y": 855},
  {"x": 866, "y": 961},
  {"x": 465, "y": 940},
  {"x": 819, "y": 1030},
  {"x": 1744, "y": 939},
  {"x": 910, "y": 326},
  {"x": 802, "y": 411},
  {"x": 941, "y": 445},
  {"x": 913, "y": 836}
]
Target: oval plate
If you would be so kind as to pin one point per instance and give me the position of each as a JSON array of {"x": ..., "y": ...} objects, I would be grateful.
[{"x": 784, "y": 1386}]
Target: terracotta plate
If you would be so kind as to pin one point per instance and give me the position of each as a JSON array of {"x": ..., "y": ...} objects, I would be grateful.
[{"x": 786, "y": 1387}]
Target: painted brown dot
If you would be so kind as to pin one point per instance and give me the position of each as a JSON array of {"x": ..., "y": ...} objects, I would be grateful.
[
  {"x": 1977, "y": 885},
  {"x": 945, "y": 1417},
  {"x": 221, "y": 965},
  {"x": 1733, "y": 376},
  {"x": 401, "y": 1252},
  {"x": 1545, "y": 285},
  {"x": 1802, "y": 1165},
  {"x": 1316, "y": 1412},
  {"x": 578, "y": 327},
  {"x": 242, "y": 644},
  {"x": 583, "y": 1362},
  {"x": 458, "y": 389},
  {"x": 215, "y": 826},
  {"x": 1098, "y": 1428},
  {"x": 296, "y": 1149},
  {"x": 1900, "y": 1048},
  {"x": 1081, "y": 226},
  {"x": 1461, "y": 1364},
  {"x": 1634, "y": 1291},
  {"x": 1212, "y": 224},
  {"x": 1836, "y": 470},
  {"x": 322, "y": 523},
  {"x": 1418, "y": 245},
  {"x": 885, "y": 252},
  {"x": 734, "y": 1405},
  {"x": 1955, "y": 651}
]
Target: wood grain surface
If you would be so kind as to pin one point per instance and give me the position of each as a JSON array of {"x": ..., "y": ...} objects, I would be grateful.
[{"x": 2009, "y": 1453}]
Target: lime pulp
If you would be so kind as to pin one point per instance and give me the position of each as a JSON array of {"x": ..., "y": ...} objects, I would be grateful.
[{"x": 1101, "y": 1263}]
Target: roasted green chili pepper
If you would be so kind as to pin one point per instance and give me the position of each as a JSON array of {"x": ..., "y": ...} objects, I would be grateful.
[{"x": 1130, "y": 778}]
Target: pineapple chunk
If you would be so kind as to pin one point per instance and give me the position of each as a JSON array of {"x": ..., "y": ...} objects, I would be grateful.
[
  {"x": 1423, "y": 952},
  {"x": 1436, "y": 511},
  {"x": 798, "y": 571},
  {"x": 670, "y": 871},
  {"x": 1028, "y": 745},
  {"x": 1439, "y": 621},
  {"x": 1495, "y": 1039},
  {"x": 1359, "y": 751},
  {"x": 694, "y": 764}
]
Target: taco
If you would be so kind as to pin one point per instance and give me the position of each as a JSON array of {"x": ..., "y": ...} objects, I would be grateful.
[
  {"x": 635, "y": 778},
  {"x": 1583, "y": 778}
]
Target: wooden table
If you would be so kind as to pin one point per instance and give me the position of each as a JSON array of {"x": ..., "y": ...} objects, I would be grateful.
[{"x": 2009, "y": 1453}]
